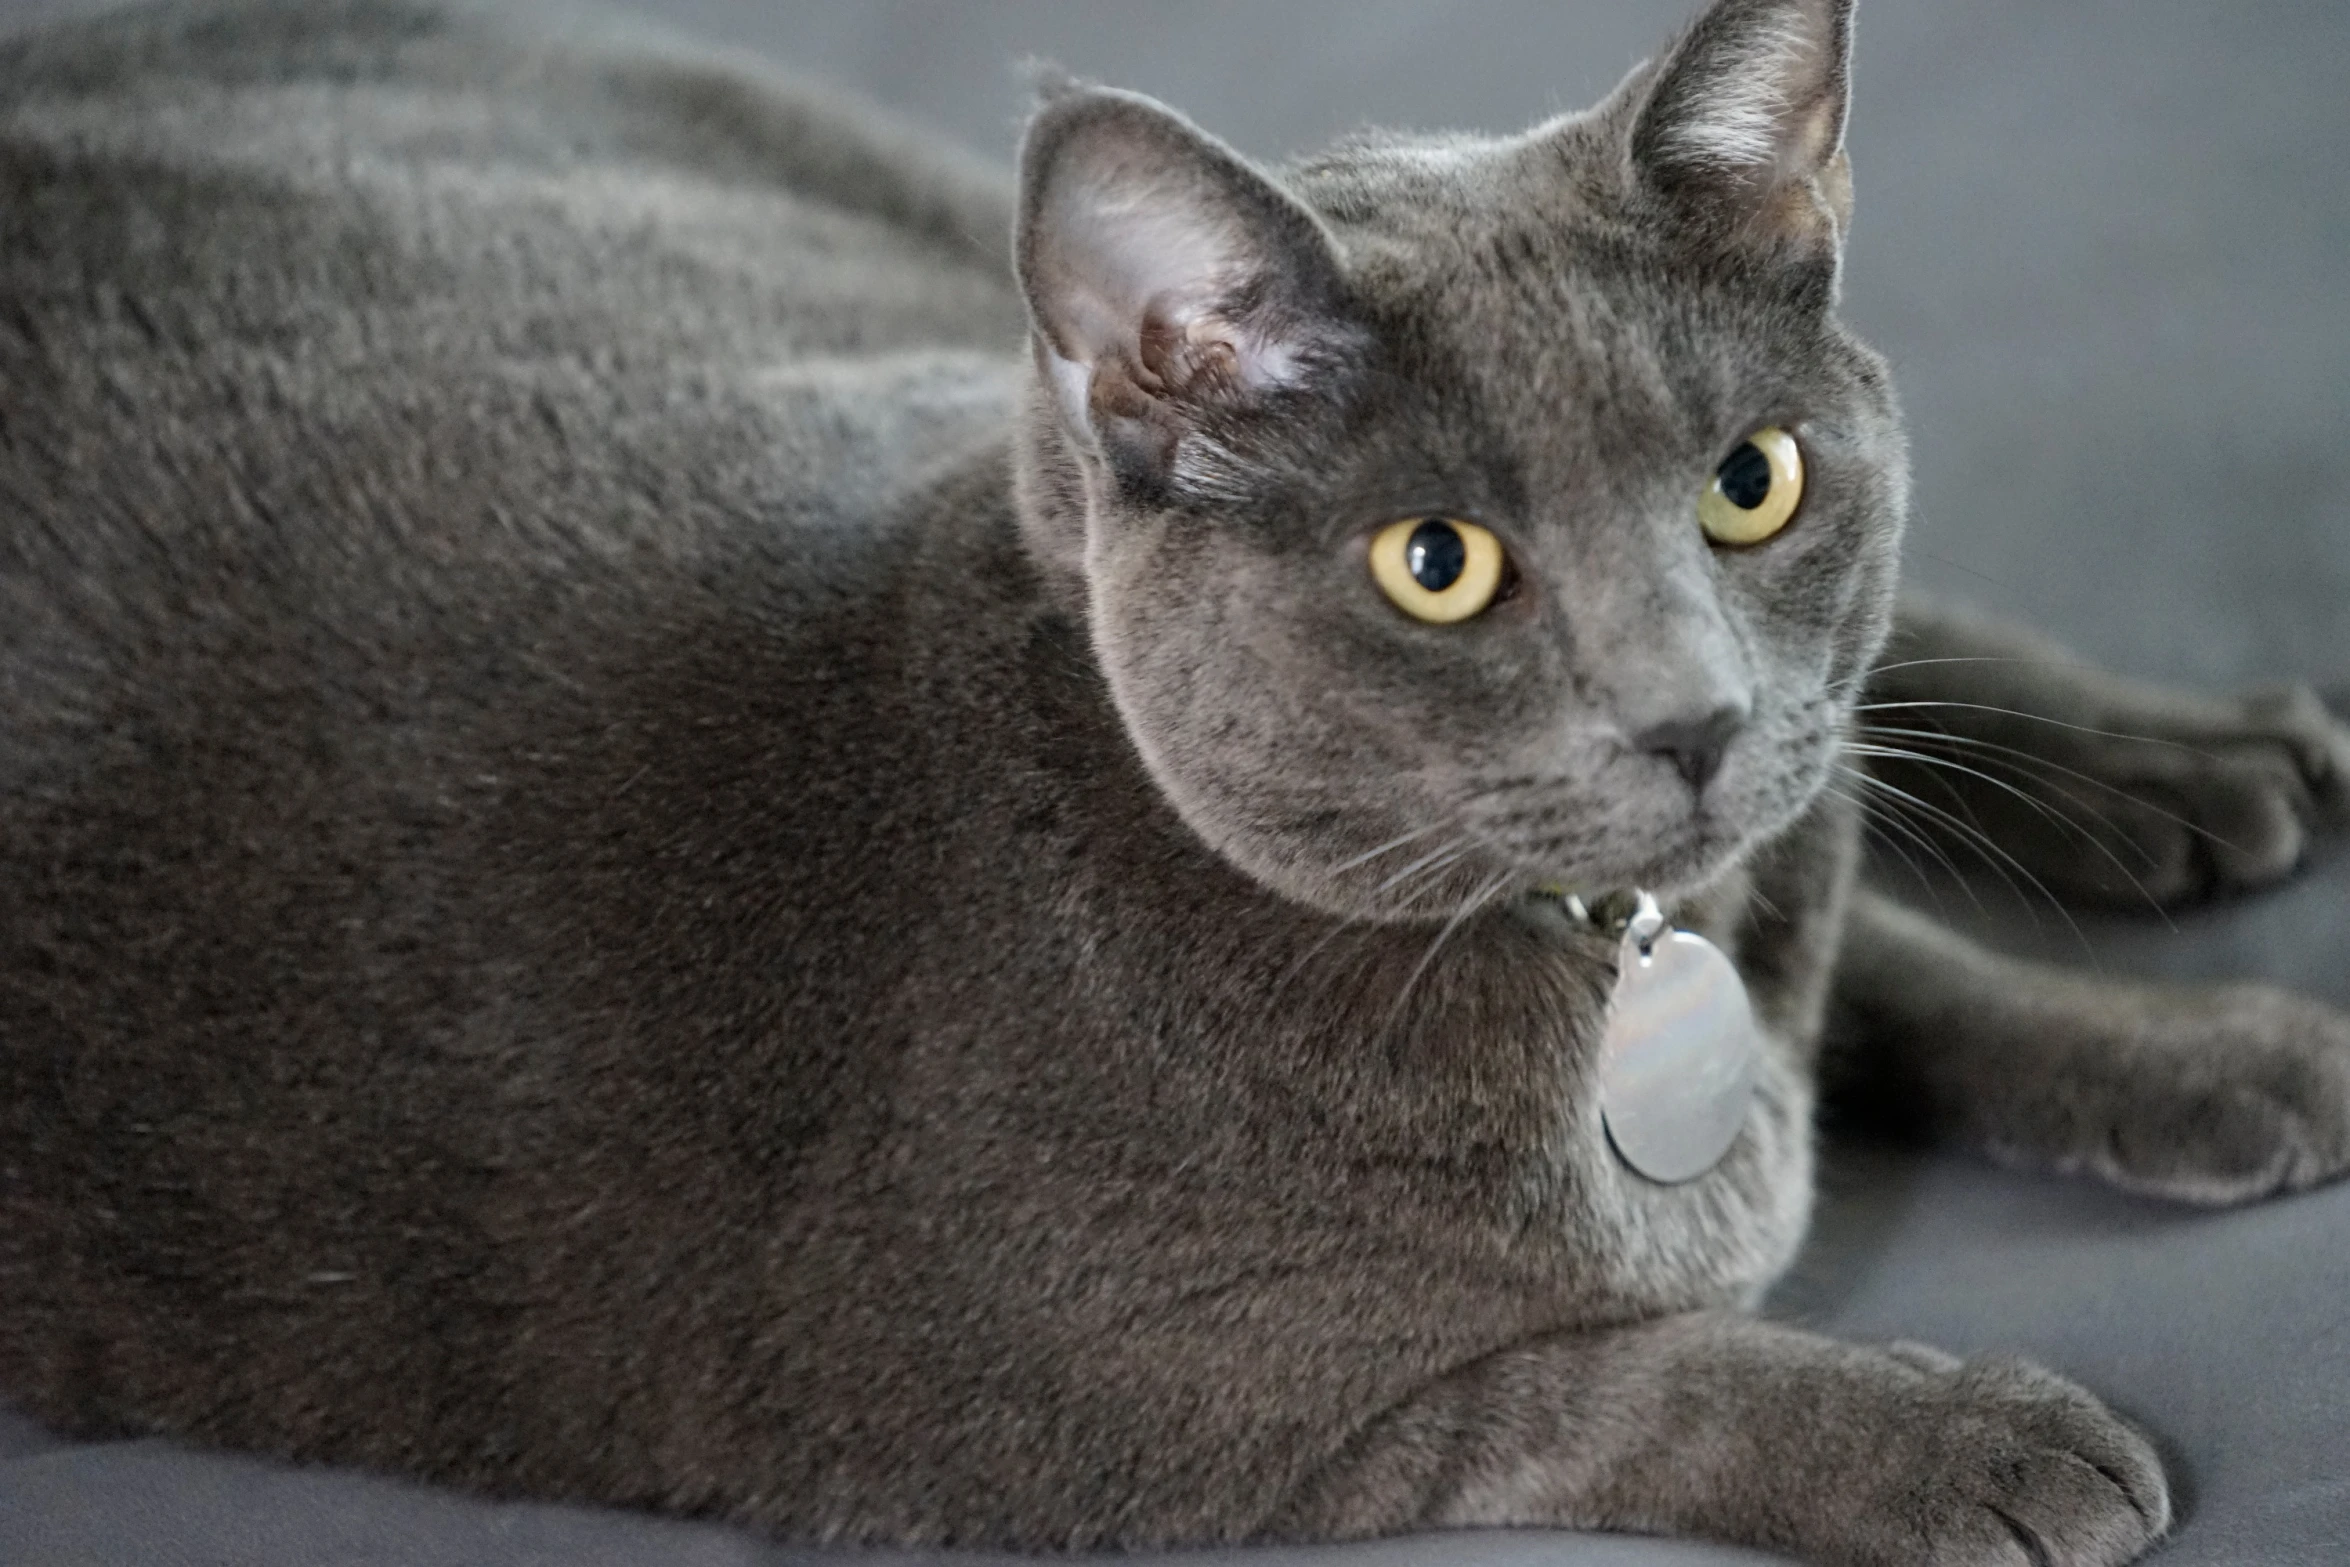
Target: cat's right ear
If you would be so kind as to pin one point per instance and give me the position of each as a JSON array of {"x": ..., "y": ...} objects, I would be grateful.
[
  {"x": 1167, "y": 281},
  {"x": 1742, "y": 130}
]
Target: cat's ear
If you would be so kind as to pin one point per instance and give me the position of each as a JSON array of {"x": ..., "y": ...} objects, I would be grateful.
[
  {"x": 1743, "y": 125},
  {"x": 1166, "y": 279}
]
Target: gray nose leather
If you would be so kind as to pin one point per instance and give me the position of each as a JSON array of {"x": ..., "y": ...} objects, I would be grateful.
[{"x": 1694, "y": 744}]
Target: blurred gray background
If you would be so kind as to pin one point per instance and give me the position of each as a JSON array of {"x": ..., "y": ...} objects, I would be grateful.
[{"x": 2107, "y": 246}]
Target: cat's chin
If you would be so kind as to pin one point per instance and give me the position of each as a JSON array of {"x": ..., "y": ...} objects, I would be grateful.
[
  {"x": 1395, "y": 889},
  {"x": 1681, "y": 869},
  {"x": 1682, "y": 873},
  {"x": 1708, "y": 850}
]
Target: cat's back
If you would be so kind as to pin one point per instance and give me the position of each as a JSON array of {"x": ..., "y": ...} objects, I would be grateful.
[
  {"x": 523, "y": 182},
  {"x": 403, "y": 284},
  {"x": 370, "y": 368},
  {"x": 450, "y": 460}
]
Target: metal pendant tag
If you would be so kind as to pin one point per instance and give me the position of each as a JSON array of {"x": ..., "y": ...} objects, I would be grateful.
[{"x": 1677, "y": 1065}]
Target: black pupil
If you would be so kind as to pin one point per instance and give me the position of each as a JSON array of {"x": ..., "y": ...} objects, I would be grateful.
[
  {"x": 1746, "y": 477},
  {"x": 1436, "y": 557}
]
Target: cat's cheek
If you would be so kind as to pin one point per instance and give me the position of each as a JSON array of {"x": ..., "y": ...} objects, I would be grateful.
[
  {"x": 1251, "y": 780},
  {"x": 1765, "y": 792}
]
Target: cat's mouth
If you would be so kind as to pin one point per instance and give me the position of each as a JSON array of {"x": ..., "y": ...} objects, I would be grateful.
[
  {"x": 1437, "y": 845},
  {"x": 1660, "y": 837},
  {"x": 1676, "y": 866},
  {"x": 1434, "y": 875}
]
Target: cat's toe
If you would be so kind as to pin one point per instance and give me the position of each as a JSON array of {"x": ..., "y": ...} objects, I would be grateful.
[
  {"x": 2089, "y": 1487},
  {"x": 2245, "y": 1094},
  {"x": 2296, "y": 719},
  {"x": 2285, "y": 772},
  {"x": 2225, "y": 810},
  {"x": 2032, "y": 1471}
]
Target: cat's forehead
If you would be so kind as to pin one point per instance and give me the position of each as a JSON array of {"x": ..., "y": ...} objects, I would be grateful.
[
  {"x": 1512, "y": 275},
  {"x": 1401, "y": 180}
]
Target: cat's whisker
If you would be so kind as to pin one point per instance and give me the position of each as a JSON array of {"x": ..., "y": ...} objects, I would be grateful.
[
  {"x": 1896, "y": 753},
  {"x": 1388, "y": 847},
  {"x": 1889, "y": 810},
  {"x": 1474, "y": 905},
  {"x": 2052, "y": 815},
  {"x": 1537, "y": 816},
  {"x": 1983, "y": 658},
  {"x": 1893, "y": 820},
  {"x": 2037, "y": 718},
  {"x": 2021, "y": 759},
  {"x": 1881, "y": 814},
  {"x": 1958, "y": 800},
  {"x": 1431, "y": 862},
  {"x": 1874, "y": 819},
  {"x": 1984, "y": 845},
  {"x": 1427, "y": 867},
  {"x": 2021, "y": 770},
  {"x": 1356, "y": 924},
  {"x": 1917, "y": 871}
]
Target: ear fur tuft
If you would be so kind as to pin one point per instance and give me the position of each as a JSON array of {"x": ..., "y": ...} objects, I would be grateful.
[
  {"x": 1744, "y": 120},
  {"x": 1049, "y": 81},
  {"x": 1164, "y": 276}
]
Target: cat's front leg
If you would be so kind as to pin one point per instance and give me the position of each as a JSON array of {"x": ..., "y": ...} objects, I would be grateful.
[
  {"x": 1723, "y": 1427},
  {"x": 2213, "y": 1094},
  {"x": 2106, "y": 789}
]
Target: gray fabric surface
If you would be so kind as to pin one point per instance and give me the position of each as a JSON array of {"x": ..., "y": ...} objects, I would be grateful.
[{"x": 2108, "y": 247}]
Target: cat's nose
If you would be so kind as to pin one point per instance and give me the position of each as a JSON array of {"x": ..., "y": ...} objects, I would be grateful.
[{"x": 1694, "y": 743}]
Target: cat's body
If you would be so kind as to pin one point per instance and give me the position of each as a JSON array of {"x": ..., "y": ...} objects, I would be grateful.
[{"x": 585, "y": 908}]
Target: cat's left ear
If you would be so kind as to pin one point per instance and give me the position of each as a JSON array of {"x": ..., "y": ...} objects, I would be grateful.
[
  {"x": 1742, "y": 129},
  {"x": 1166, "y": 279}
]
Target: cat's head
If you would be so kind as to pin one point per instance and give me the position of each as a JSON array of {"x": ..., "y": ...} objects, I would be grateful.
[{"x": 1458, "y": 516}]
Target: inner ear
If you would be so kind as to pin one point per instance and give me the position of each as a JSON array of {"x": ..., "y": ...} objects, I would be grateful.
[
  {"x": 1744, "y": 123},
  {"x": 1164, "y": 276}
]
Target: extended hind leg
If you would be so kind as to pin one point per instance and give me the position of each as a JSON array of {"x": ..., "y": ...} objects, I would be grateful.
[{"x": 2105, "y": 789}]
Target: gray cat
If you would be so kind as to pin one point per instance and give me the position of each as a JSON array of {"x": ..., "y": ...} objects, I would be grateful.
[{"x": 637, "y": 862}]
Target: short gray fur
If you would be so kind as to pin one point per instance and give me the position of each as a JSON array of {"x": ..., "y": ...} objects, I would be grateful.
[{"x": 596, "y": 908}]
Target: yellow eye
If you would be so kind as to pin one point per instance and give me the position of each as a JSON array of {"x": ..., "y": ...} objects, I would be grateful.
[
  {"x": 1755, "y": 490},
  {"x": 1437, "y": 569}
]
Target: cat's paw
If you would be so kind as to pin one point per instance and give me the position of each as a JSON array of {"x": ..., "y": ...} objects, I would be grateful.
[
  {"x": 2225, "y": 803},
  {"x": 2007, "y": 1465},
  {"x": 2224, "y": 1096},
  {"x": 2162, "y": 799}
]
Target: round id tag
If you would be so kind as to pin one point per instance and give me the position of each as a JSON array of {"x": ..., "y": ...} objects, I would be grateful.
[{"x": 1678, "y": 1061}]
